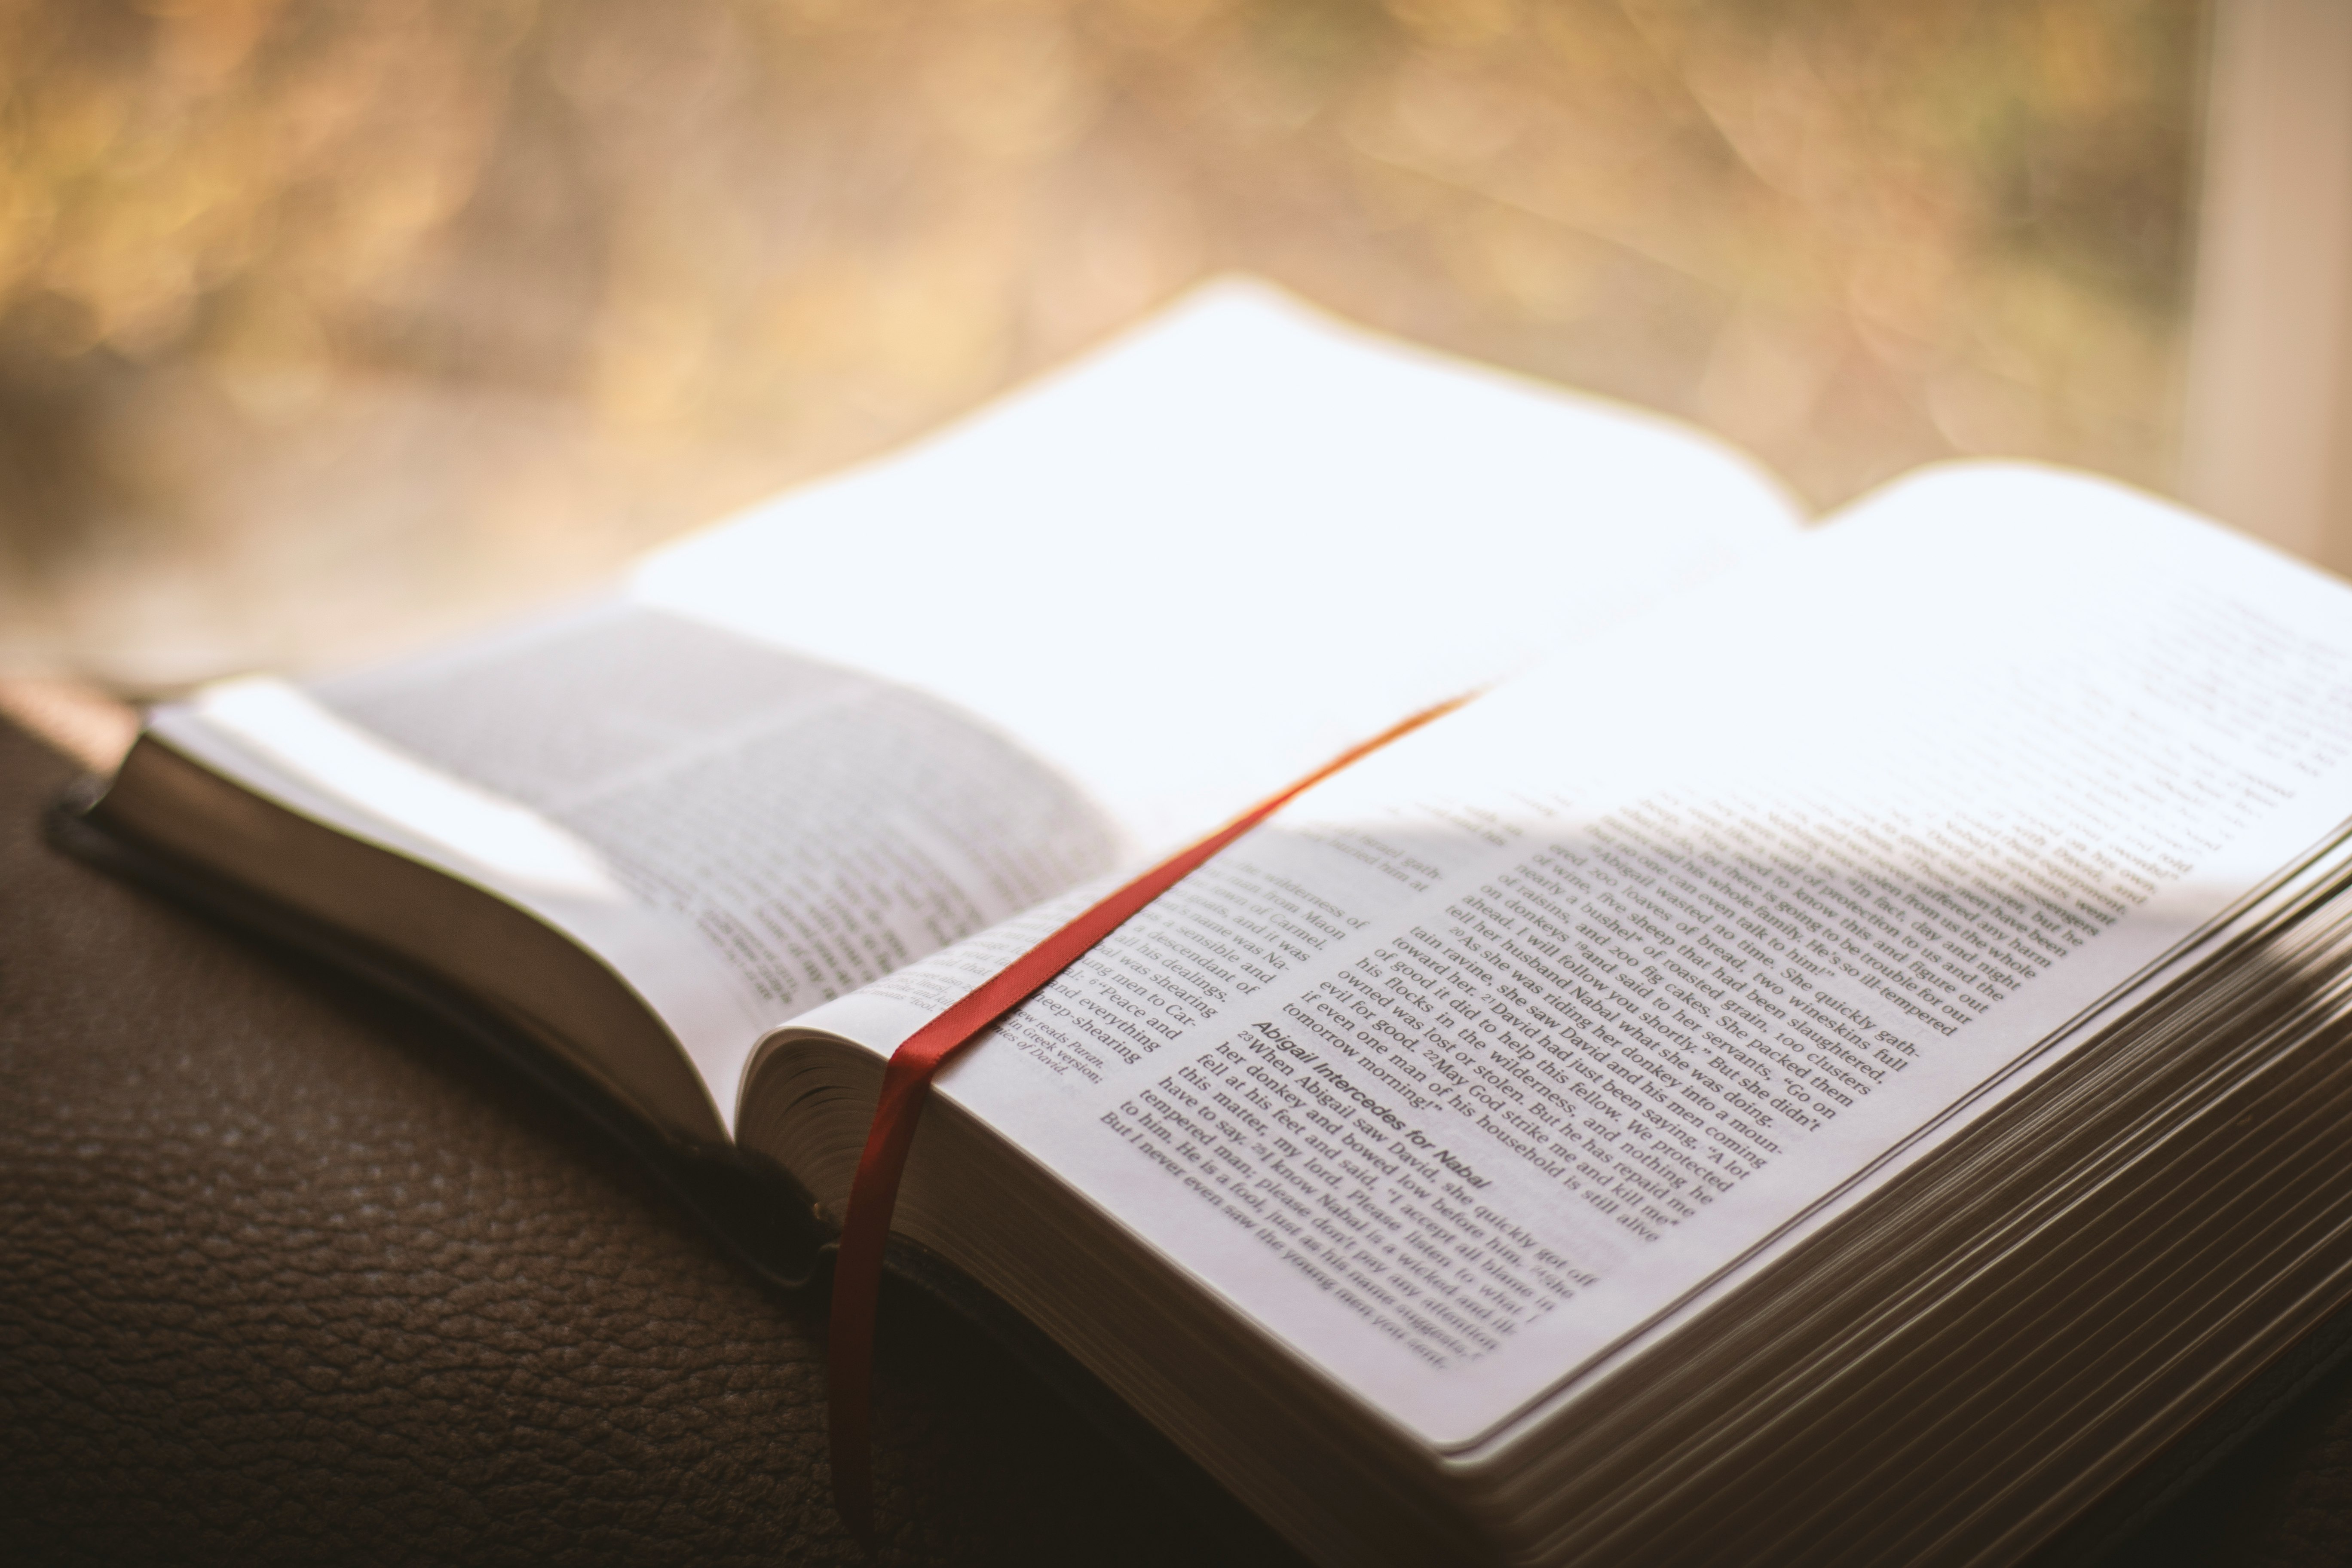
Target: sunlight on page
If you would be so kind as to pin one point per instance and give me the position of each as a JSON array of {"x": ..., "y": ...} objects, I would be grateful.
[
  {"x": 1244, "y": 537},
  {"x": 1505, "y": 1041},
  {"x": 497, "y": 835}
]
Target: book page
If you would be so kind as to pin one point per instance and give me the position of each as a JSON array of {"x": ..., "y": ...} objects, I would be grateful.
[
  {"x": 1082, "y": 608},
  {"x": 1498, "y": 1046},
  {"x": 1189, "y": 568},
  {"x": 741, "y": 832}
]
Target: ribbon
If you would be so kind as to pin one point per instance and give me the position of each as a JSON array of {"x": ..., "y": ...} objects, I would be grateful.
[{"x": 907, "y": 1085}]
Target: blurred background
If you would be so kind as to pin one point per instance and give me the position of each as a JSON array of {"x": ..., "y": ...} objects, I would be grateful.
[{"x": 328, "y": 325}]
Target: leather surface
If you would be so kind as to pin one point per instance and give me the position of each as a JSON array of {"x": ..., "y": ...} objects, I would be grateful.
[
  {"x": 285, "y": 1274},
  {"x": 288, "y": 1274}
]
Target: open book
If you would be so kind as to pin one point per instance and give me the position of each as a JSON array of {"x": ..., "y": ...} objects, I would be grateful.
[{"x": 1824, "y": 1059}]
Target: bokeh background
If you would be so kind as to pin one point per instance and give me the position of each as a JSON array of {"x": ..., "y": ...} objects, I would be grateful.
[{"x": 327, "y": 326}]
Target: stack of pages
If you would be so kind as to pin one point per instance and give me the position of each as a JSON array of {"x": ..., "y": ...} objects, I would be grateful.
[{"x": 1835, "y": 1056}]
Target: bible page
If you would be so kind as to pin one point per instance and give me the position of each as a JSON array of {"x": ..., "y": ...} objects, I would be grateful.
[
  {"x": 1193, "y": 566},
  {"x": 739, "y": 833},
  {"x": 1103, "y": 613},
  {"x": 1500, "y": 1045}
]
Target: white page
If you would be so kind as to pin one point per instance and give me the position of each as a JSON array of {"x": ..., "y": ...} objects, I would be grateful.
[
  {"x": 1091, "y": 567},
  {"x": 1199, "y": 561},
  {"x": 1497, "y": 1045},
  {"x": 278, "y": 742},
  {"x": 741, "y": 833}
]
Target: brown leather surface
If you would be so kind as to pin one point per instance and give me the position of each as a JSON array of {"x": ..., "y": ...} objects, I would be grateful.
[{"x": 287, "y": 1274}]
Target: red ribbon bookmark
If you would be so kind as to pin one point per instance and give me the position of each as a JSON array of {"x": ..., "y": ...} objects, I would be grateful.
[{"x": 906, "y": 1084}]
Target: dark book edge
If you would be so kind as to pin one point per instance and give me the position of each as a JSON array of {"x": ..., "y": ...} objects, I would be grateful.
[
  {"x": 2120, "y": 1527},
  {"x": 756, "y": 1213}
]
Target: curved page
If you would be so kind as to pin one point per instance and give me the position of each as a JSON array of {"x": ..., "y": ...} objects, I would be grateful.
[
  {"x": 1496, "y": 1047},
  {"x": 1191, "y": 567}
]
